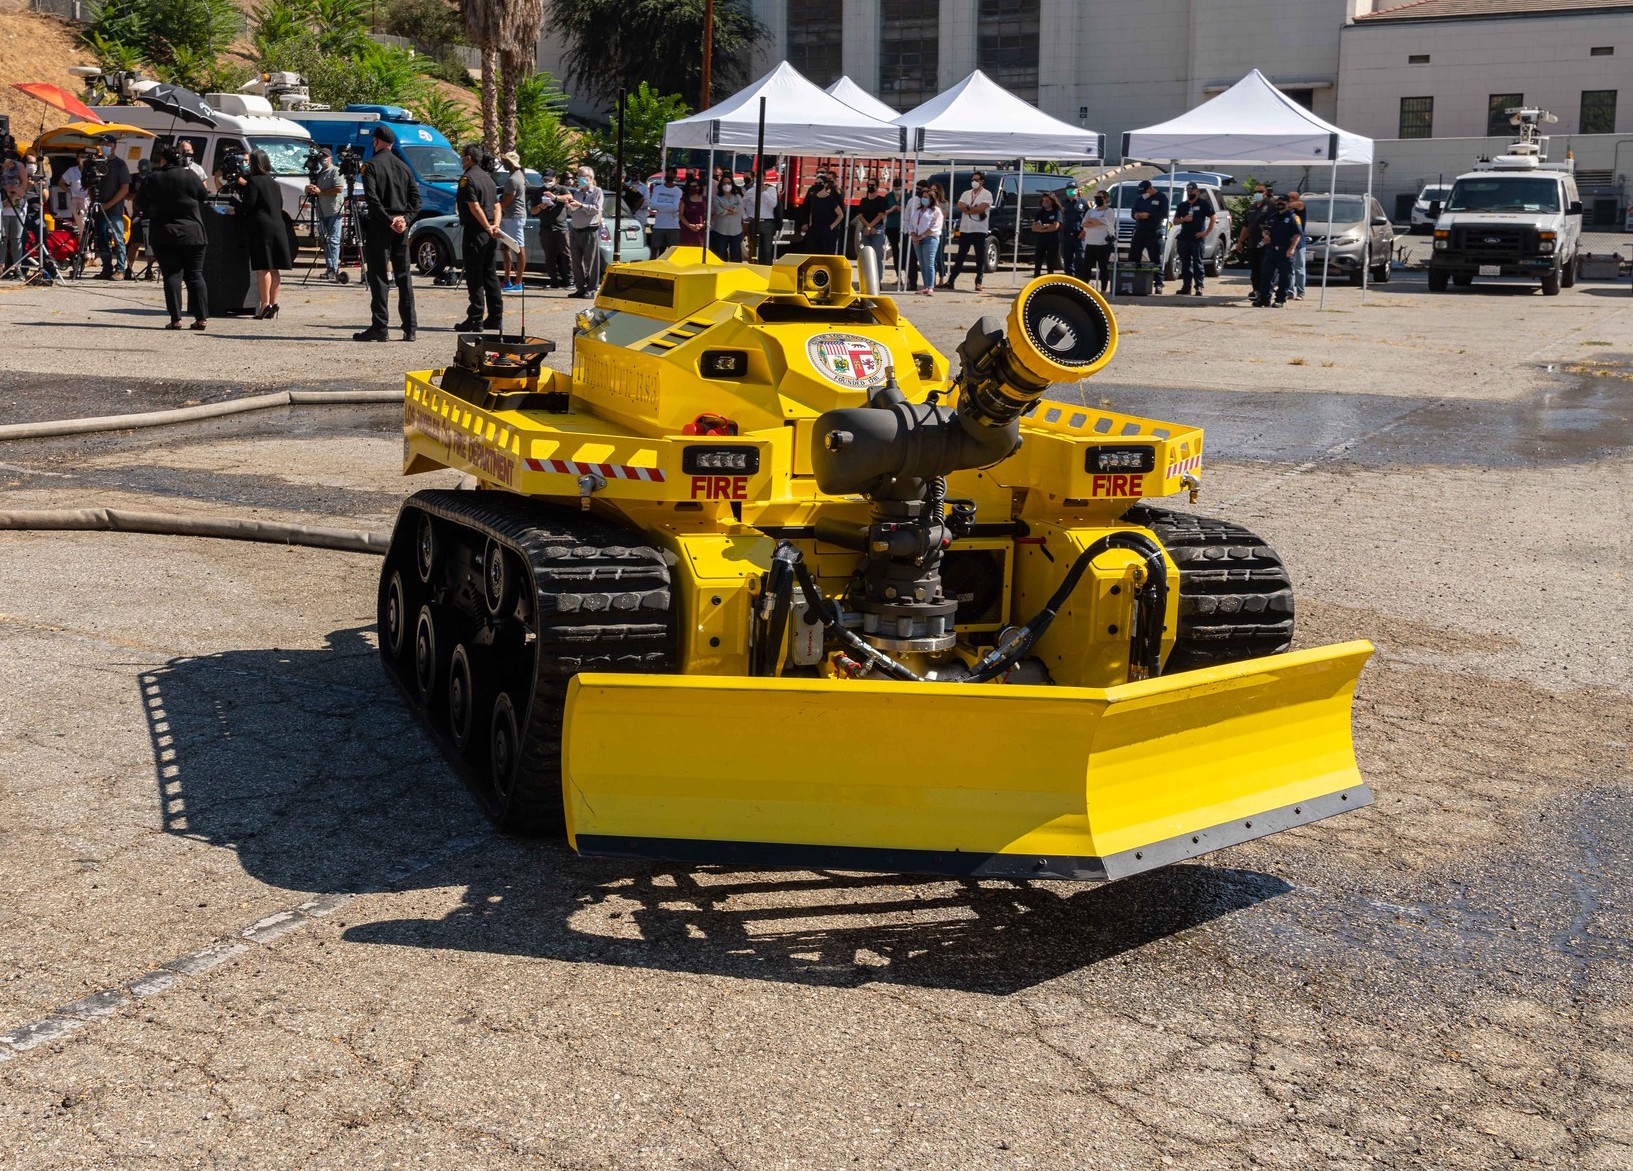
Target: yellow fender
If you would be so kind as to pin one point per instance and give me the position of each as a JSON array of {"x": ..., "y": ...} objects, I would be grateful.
[{"x": 944, "y": 778}]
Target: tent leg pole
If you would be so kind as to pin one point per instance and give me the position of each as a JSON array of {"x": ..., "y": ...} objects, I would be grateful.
[
  {"x": 1366, "y": 253},
  {"x": 1116, "y": 241},
  {"x": 1020, "y": 206},
  {"x": 708, "y": 215},
  {"x": 1326, "y": 251}
]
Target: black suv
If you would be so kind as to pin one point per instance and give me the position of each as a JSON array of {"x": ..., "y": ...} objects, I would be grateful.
[{"x": 1001, "y": 230}]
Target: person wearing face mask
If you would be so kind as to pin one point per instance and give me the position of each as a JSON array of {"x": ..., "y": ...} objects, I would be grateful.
[
  {"x": 726, "y": 230},
  {"x": 1150, "y": 229},
  {"x": 767, "y": 212},
  {"x": 974, "y": 214},
  {"x": 924, "y": 233},
  {"x": 664, "y": 199},
  {"x": 870, "y": 217},
  {"x": 107, "y": 205},
  {"x": 584, "y": 208},
  {"x": 694, "y": 216},
  {"x": 1074, "y": 209},
  {"x": 893, "y": 227},
  {"x": 14, "y": 179},
  {"x": 1250, "y": 243},
  {"x": 478, "y": 202},
  {"x": 1099, "y": 238},
  {"x": 826, "y": 211}
]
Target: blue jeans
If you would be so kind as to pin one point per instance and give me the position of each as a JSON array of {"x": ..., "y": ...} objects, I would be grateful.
[
  {"x": 1190, "y": 261},
  {"x": 1278, "y": 271},
  {"x": 329, "y": 228},
  {"x": 110, "y": 238},
  {"x": 1299, "y": 268},
  {"x": 926, "y": 250}
]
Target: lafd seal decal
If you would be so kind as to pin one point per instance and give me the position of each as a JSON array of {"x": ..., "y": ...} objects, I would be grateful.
[{"x": 852, "y": 362}]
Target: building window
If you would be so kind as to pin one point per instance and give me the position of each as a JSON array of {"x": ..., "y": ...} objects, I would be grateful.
[
  {"x": 1598, "y": 112},
  {"x": 1417, "y": 117},
  {"x": 1417, "y": 58},
  {"x": 816, "y": 39},
  {"x": 909, "y": 51},
  {"x": 1602, "y": 51},
  {"x": 1304, "y": 97},
  {"x": 1008, "y": 50},
  {"x": 1497, "y": 124}
]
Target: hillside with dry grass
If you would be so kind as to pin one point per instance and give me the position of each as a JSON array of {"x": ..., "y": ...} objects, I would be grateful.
[{"x": 35, "y": 48}]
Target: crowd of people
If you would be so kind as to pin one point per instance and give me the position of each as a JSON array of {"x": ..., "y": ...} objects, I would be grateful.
[{"x": 929, "y": 235}]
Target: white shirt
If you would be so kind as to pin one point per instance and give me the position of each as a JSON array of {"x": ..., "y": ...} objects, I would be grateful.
[
  {"x": 768, "y": 203},
  {"x": 70, "y": 179},
  {"x": 1097, "y": 226},
  {"x": 926, "y": 221},
  {"x": 979, "y": 203},
  {"x": 666, "y": 206}
]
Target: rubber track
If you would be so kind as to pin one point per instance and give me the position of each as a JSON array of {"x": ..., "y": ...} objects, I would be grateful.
[
  {"x": 1235, "y": 598},
  {"x": 602, "y": 603}
]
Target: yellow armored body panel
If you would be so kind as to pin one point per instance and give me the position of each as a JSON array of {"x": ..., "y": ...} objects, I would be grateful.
[{"x": 768, "y": 579}]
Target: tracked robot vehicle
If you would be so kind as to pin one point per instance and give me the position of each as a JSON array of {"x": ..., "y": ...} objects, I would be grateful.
[{"x": 767, "y": 580}]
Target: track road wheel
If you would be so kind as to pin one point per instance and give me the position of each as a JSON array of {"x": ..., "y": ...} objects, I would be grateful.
[
  {"x": 468, "y": 678},
  {"x": 430, "y": 656},
  {"x": 499, "y": 572},
  {"x": 394, "y": 617},
  {"x": 1235, "y": 598},
  {"x": 504, "y": 754},
  {"x": 426, "y": 548}
]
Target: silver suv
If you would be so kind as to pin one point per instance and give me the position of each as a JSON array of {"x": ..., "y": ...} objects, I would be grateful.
[{"x": 1360, "y": 241}]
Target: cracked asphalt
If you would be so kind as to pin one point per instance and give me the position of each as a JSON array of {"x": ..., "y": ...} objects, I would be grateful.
[{"x": 252, "y": 919}]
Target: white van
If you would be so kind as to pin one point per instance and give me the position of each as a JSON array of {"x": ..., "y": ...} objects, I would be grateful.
[{"x": 245, "y": 120}]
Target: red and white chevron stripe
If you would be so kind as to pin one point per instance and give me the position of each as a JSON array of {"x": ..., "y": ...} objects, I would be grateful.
[
  {"x": 1184, "y": 465},
  {"x": 610, "y": 471}
]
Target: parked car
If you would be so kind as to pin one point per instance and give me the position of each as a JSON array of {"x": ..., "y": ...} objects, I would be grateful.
[
  {"x": 1214, "y": 249},
  {"x": 435, "y": 242},
  {"x": 1360, "y": 234},
  {"x": 1422, "y": 221}
]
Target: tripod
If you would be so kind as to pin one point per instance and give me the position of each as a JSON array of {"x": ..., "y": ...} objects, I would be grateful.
[{"x": 45, "y": 269}]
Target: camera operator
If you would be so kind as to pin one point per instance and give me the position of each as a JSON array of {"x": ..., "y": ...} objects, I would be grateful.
[
  {"x": 107, "y": 183},
  {"x": 15, "y": 179},
  {"x": 139, "y": 239},
  {"x": 173, "y": 199},
  {"x": 393, "y": 198},
  {"x": 327, "y": 188},
  {"x": 73, "y": 195}
]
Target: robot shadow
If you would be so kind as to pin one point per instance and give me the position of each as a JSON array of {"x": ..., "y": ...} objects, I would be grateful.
[
  {"x": 820, "y": 928},
  {"x": 307, "y": 766}
]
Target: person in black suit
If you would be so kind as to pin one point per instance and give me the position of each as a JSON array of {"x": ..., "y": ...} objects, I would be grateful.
[
  {"x": 392, "y": 196},
  {"x": 267, "y": 239},
  {"x": 172, "y": 198}
]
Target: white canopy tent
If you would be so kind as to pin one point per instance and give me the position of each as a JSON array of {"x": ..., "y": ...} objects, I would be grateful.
[
  {"x": 798, "y": 116},
  {"x": 858, "y": 98},
  {"x": 1254, "y": 122},
  {"x": 978, "y": 118}
]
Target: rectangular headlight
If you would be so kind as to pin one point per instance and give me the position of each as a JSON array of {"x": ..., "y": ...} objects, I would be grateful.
[
  {"x": 736, "y": 460},
  {"x": 723, "y": 364},
  {"x": 1120, "y": 458}
]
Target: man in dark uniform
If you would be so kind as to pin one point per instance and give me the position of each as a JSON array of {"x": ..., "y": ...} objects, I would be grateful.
[
  {"x": 1150, "y": 227},
  {"x": 1074, "y": 209},
  {"x": 1194, "y": 216},
  {"x": 478, "y": 203},
  {"x": 1281, "y": 237},
  {"x": 392, "y": 196},
  {"x": 1250, "y": 243}
]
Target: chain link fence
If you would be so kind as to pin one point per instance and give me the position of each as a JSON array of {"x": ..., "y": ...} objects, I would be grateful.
[{"x": 79, "y": 10}]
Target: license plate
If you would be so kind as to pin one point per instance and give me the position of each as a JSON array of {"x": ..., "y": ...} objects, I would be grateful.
[{"x": 1491, "y": 270}]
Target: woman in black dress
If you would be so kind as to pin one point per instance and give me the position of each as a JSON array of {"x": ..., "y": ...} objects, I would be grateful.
[
  {"x": 173, "y": 199},
  {"x": 262, "y": 207},
  {"x": 1046, "y": 234}
]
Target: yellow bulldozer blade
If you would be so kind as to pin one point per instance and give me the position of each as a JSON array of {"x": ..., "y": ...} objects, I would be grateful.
[{"x": 943, "y": 778}]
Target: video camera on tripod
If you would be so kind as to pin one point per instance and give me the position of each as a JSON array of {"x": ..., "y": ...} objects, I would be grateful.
[
  {"x": 350, "y": 160},
  {"x": 233, "y": 162}
]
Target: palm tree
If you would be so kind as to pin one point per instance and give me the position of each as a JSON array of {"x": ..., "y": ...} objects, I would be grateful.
[
  {"x": 485, "y": 21},
  {"x": 518, "y": 57}
]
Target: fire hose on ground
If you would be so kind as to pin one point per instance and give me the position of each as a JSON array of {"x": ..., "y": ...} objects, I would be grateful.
[{"x": 113, "y": 520}]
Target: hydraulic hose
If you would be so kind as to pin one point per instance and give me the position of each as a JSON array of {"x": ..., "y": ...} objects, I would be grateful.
[
  {"x": 110, "y": 520},
  {"x": 46, "y": 428},
  {"x": 1146, "y": 639},
  {"x": 830, "y": 612}
]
